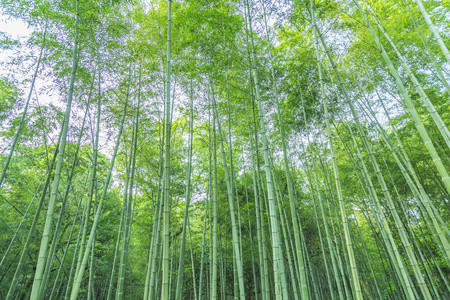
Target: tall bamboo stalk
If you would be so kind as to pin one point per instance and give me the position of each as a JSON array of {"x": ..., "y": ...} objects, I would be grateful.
[
  {"x": 433, "y": 30},
  {"x": 32, "y": 230},
  {"x": 236, "y": 249},
  {"x": 166, "y": 194},
  {"x": 40, "y": 265},
  {"x": 214, "y": 262},
  {"x": 180, "y": 276}
]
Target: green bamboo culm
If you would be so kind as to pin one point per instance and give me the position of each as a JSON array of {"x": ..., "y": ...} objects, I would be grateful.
[
  {"x": 166, "y": 194},
  {"x": 32, "y": 230},
  {"x": 207, "y": 208},
  {"x": 180, "y": 275},
  {"x": 236, "y": 249},
  {"x": 40, "y": 265},
  {"x": 214, "y": 262},
  {"x": 129, "y": 211},
  {"x": 433, "y": 30}
]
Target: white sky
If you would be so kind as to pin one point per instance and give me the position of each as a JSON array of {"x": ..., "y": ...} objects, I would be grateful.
[{"x": 15, "y": 28}]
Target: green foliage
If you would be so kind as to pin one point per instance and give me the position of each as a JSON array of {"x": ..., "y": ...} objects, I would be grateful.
[{"x": 8, "y": 98}]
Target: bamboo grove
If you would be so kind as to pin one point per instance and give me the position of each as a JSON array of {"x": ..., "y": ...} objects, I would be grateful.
[{"x": 230, "y": 149}]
